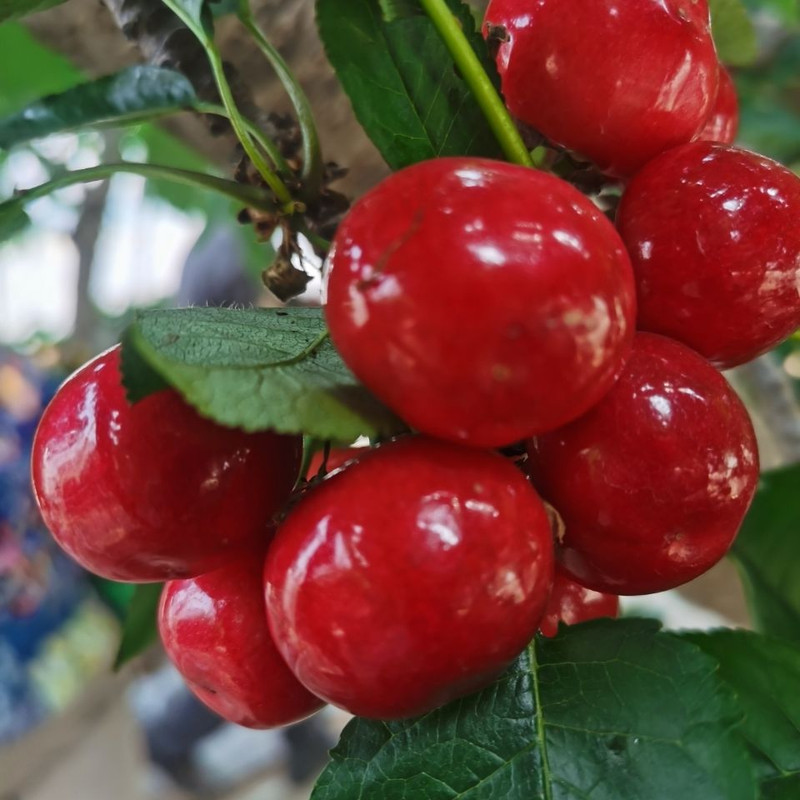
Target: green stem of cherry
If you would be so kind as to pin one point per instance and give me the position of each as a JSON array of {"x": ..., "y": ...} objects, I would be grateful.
[
  {"x": 260, "y": 138},
  {"x": 312, "y": 153},
  {"x": 479, "y": 82},
  {"x": 249, "y": 195},
  {"x": 204, "y": 35},
  {"x": 270, "y": 178}
]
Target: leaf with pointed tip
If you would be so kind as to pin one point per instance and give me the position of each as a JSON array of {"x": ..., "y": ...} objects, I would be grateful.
[
  {"x": 606, "y": 710},
  {"x": 139, "y": 628},
  {"x": 401, "y": 80},
  {"x": 133, "y": 95},
  {"x": 258, "y": 369}
]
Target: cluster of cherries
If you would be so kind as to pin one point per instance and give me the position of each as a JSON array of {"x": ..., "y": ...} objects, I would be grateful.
[{"x": 495, "y": 308}]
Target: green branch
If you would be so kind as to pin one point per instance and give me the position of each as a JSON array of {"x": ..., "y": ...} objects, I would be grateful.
[
  {"x": 249, "y": 195},
  {"x": 478, "y": 81},
  {"x": 267, "y": 145},
  {"x": 312, "y": 154},
  {"x": 271, "y": 179},
  {"x": 196, "y": 26}
]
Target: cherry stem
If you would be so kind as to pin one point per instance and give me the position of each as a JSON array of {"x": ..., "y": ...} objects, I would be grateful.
[
  {"x": 490, "y": 102},
  {"x": 270, "y": 178},
  {"x": 267, "y": 145},
  {"x": 276, "y": 185},
  {"x": 309, "y": 448},
  {"x": 249, "y": 195},
  {"x": 312, "y": 153},
  {"x": 326, "y": 454}
]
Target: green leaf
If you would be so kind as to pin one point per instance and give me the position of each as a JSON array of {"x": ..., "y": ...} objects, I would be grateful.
[
  {"x": 197, "y": 15},
  {"x": 117, "y": 596},
  {"x": 767, "y": 551},
  {"x": 139, "y": 630},
  {"x": 788, "y": 11},
  {"x": 401, "y": 80},
  {"x": 259, "y": 369},
  {"x": 13, "y": 220},
  {"x": 765, "y": 674},
  {"x": 130, "y": 96},
  {"x": 608, "y": 710},
  {"x": 734, "y": 33},
  {"x": 771, "y": 129},
  {"x": 29, "y": 70},
  {"x": 13, "y": 9},
  {"x": 140, "y": 378},
  {"x": 195, "y": 9},
  {"x": 222, "y": 8},
  {"x": 397, "y": 9},
  {"x": 769, "y": 106},
  {"x": 787, "y": 788}
]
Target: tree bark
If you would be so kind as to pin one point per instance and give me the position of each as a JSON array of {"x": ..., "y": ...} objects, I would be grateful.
[{"x": 85, "y": 238}]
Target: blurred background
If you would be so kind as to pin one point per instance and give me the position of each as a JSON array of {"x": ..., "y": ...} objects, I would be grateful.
[{"x": 70, "y": 281}]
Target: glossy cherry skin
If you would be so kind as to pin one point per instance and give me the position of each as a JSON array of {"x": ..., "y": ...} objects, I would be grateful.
[
  {"x": 412, "y": 577},
  {"x": 214, "y": 629},
  {"x": 713, "y": 234},
  {"x": 616, "y": 82},
  {"x": 152, "y": 491},
  {"x": 572, "y": 603},
  {"x": 652, "y": 483},
  {"x": 482, "y": 301},
  {"x": 723, "y": 124}
]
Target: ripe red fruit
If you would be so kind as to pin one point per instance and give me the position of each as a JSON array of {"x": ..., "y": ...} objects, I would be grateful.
[
  {"x": 482, "y": 301},
  {"x": 617, "y": 83},
  {"x": 652, "y": 483},
  {"x": 713, "y": 235},
  {"x": 572, "y": 603},
  {"x": 723, "y": 124},
  {"x": 214, "y": 629},
  {"x": 410, "y": 578},
  {"x": 152, "y": 491}
]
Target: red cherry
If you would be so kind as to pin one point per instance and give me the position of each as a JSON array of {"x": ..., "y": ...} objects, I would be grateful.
[
  {"x": 572, "y": 603},
  {"x": 152, "y": 491},
  {"x": 618, "y": 83},
  {"x": 214, "y": 629},
  {"x": 482, "y": 301},
  {"x": 723, "y": 124},
  {"x": 713, "y": 234},
  {"x": 652, "y": 483},
  {"x": 410, "y": 578}
]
